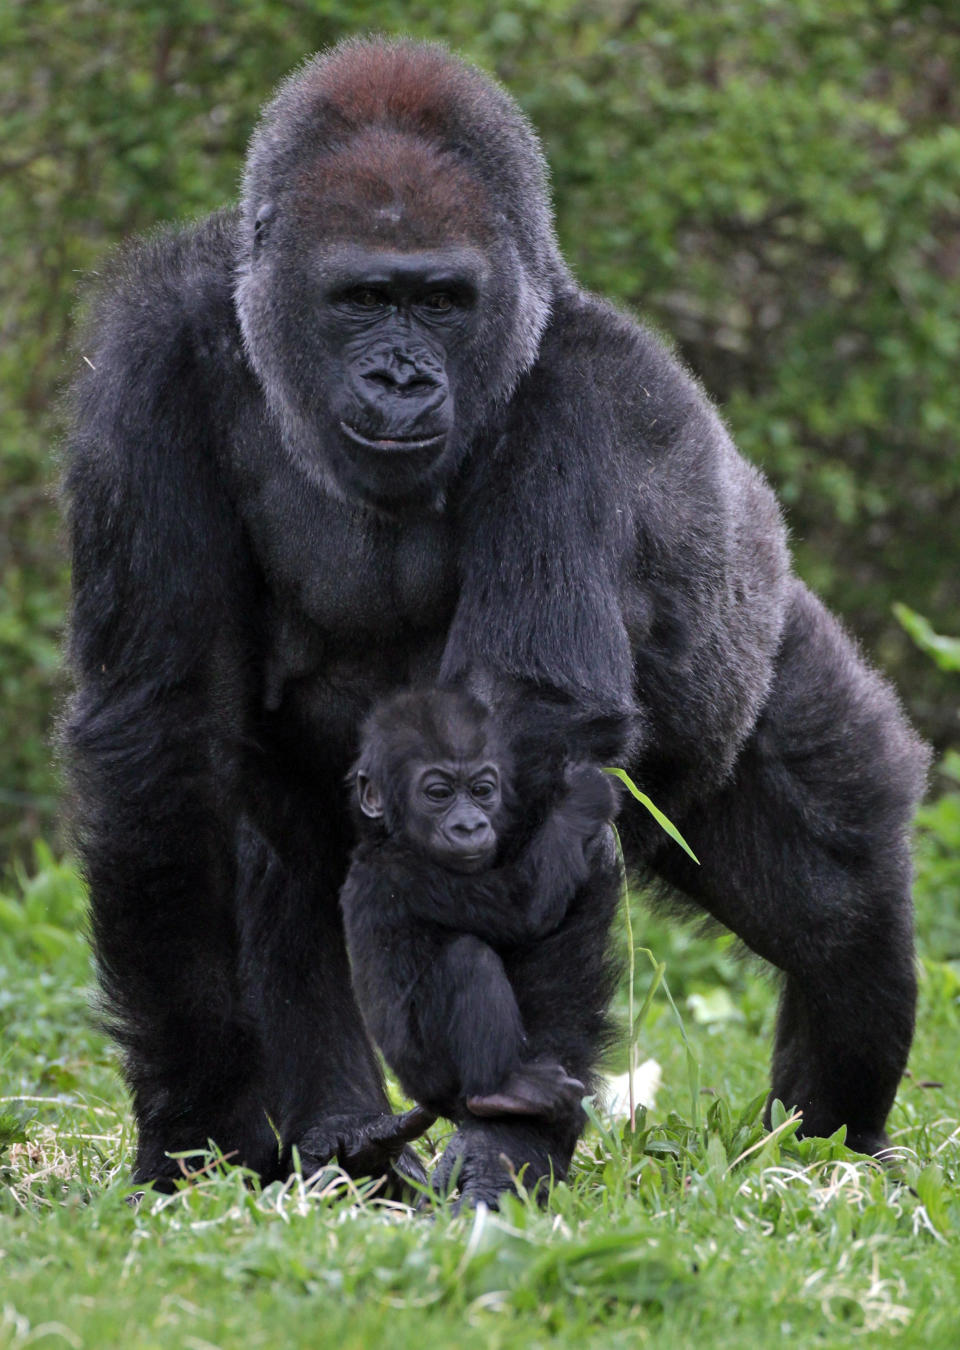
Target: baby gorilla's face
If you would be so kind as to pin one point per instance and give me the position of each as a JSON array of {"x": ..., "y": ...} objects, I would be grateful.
[{"x": 453, "y": 810}]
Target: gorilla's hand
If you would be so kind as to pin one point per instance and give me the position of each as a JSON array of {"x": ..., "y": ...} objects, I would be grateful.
[
  {"x": 485, "y": 1159},
  {"x": 369, "y": 1145}
]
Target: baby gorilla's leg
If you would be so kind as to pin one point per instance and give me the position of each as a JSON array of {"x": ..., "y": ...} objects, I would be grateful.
[
  {"x": 488, "y": 1043},
  {"x": 481, "y": 1022}
]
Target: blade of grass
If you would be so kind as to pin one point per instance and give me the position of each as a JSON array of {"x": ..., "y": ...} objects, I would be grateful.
[
  {"x": 636, "y": 1019},
  {"x": 631, "y": 972},
  {"x": 665, "y": 823},
  {"x": 693, "y": 1064}
]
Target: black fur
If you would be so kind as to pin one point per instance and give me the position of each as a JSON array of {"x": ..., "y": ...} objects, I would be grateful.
[
  {"x": 576, "y": 538},
  {"x": 428, "y": 944}
]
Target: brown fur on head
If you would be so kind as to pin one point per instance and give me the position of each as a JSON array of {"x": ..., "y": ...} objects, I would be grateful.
[
  {"x": 410, "y": 92},
  {"x": 411, "y": 85},
  {"x": 391, "y": 188}
]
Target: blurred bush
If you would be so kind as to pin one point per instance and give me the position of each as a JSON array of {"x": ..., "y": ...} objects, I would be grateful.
[
  {"x": 937, "y": 888},
  {"x": 774, "y": 183}
]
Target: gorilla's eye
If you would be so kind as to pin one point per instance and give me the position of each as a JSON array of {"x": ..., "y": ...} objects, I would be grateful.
[
  {"x": 483, "y": 789},
  {"x": 366, "y": 297},
  {"x": 438, "y": 792},
  {"x": 439, "y": 302},
  {"x": 264, "y": 216}
]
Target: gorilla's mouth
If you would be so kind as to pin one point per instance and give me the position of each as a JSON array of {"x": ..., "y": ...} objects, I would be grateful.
[
  {"x": 468, "y": 862},
  {"x": 393, "y": 443}
]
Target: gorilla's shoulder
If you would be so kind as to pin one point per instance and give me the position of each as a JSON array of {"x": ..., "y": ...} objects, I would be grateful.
[
  {"x": 166, "y": 301},
  {"x": 610, "y": 360},
  {"x": 160, "y": 355},
  {"x": 613, "y": 341}
]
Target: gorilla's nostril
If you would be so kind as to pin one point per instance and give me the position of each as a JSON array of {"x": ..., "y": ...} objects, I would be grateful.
[{"x": 402, "y": 381}]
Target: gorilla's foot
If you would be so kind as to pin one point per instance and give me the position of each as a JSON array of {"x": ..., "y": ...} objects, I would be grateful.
[
  {"x": 487, "y": 1158},
  {"x": 369, "y": 1145}
]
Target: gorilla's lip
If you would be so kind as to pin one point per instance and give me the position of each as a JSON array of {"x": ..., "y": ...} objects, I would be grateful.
[
  {"x": 469, "y": 862},
  {"x": 393, "y": 443}
]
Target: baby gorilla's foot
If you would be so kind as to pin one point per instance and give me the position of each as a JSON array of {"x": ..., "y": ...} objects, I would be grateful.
[{"x": 538, "y": 1089}]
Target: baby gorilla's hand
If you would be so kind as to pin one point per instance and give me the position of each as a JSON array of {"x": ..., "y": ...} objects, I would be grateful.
[
  {"x": 593, "y": 798},
  {"x": 563, "y": 852}
]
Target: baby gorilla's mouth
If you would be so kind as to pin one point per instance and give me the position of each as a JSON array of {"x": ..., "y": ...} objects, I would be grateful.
[{"x": 467, "y": 862}]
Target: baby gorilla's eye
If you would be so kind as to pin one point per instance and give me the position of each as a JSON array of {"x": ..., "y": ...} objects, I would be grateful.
[
  {"x": 438, "y": 792},
  {"x": 483, "y": 790}
]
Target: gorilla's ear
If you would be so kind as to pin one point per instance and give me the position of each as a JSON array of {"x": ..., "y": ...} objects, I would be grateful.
[
  {"x": 371, "y": 803},
  {"x": 262, "y": 223}
]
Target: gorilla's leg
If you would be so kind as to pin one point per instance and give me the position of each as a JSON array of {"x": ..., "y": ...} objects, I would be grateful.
[
  {"x": 563, "y": 984},
  {"x": 323, "y": 1086},
  {"x": 152, "y": 833},
  {"x": 461, "y": 1035},
  {"x": 804, "y": 855}
]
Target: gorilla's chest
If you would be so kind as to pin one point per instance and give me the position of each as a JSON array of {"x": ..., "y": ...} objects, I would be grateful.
[
  {"x": 357, "y": 604},
  {"x": 362, "y": 580},
  {"x": 383, "y": 579}
]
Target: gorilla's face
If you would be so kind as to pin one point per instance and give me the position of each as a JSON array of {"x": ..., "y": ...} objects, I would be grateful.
[
  {"x": 387, "y": 313},
  {"x": 396, "y": 330},
  {"x": 371, "y": 354}
]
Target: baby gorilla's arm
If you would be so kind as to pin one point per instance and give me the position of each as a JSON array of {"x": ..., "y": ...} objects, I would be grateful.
[{"x": 485, "y": 905}]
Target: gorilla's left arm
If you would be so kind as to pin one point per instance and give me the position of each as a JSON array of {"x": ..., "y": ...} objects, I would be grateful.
[{"x": 539, "y": 620}]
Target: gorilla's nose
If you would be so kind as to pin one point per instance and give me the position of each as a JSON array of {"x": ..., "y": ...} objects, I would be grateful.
[
  {"x": 471, "y": 829},
  {"x": 397, "y": 373}
]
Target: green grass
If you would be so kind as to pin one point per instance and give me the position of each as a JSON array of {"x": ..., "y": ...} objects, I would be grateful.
[{"x": 693, "y": 1229}]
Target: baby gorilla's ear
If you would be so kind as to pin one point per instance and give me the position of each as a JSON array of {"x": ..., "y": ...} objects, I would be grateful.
[{"x": 371, "y": 803}]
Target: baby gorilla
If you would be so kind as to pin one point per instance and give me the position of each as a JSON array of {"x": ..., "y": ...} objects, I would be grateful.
[{"x": 430, "y": 903}]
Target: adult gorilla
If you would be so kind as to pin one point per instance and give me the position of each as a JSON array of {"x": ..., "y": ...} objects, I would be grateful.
[{"x": 367, "y": 430}]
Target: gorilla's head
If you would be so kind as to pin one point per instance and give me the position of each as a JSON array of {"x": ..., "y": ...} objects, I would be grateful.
[
  {"x": 398, "y": 263},
  {"x": 435, "y": 772}
]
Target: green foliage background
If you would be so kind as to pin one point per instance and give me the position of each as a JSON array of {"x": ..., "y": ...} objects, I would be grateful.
[{"x": 775, "y": 184}]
